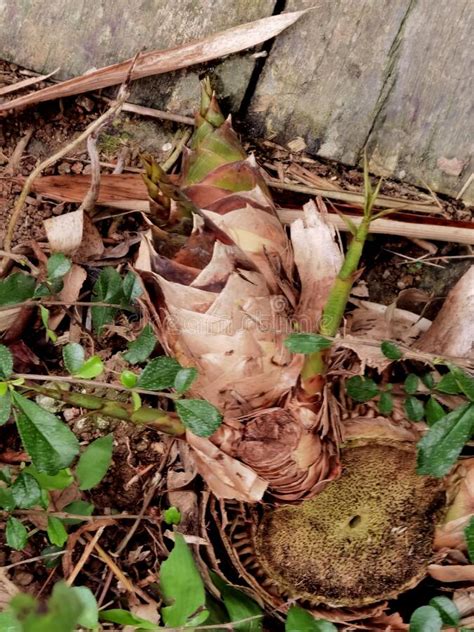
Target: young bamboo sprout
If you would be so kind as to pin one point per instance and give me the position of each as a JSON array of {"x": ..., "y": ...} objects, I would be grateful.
[
  {"x": 227, "y": 300},
  {"x": 333, "y": 312}
]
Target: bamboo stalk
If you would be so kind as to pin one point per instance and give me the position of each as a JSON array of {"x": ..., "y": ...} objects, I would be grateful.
[{"x": 385, "y": 226}]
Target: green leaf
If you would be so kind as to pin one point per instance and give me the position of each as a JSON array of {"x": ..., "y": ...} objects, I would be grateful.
[
  {"x": 124, "y": 617},
  {"x": 80, "y": 508},
  {"x": 73, "y": 357},
  {"x": 159, "y": 373},
  {"x": 25, "y": 491},
  {"x": 51, "y": 556},
  {"x": 182, "y": 588},
  {"x": 107, "y": 289},
  {"x": 184, "y": 378},
  {"x": 306, "y": 343},
  {"x": 6, "y": 499},
  {"x": 45, "y": 320},
  {"x": 385, "y": 403},
  {"x": 128, "y": 379},
  {"x": 9, "y": 622},
  {"x": 447, "y": 610},
  {"x": 411, "y": 383},
  {"x": 448, "y": 384},
  {"x": 5, "y": 475},
  {"x": 239, "y": 606},
  {"x": 390, "y": 350},
  {"x": 433, "y": 411},
  {"x": 62, "y": 611},
  {"x": 141, "y": 348},
  {"x": 299, "y": 620},
  {"x": 469, "y": 535},
  {"x": 16, "y": 534},
  {"x": 439, "y": 449},
  {"x": 426, "y": 619},
  {"x": 131, "y": 289},
  {"x": 57, "y": 534},
  {"x": 48, "y": 441},
  {"x": 428, "y": 380},
  {"x": 94, "y": 462},
  {"x": 361, "y": 388},
  {"x": 16, "y": 288},
  {"x": 414, "y": 408},
  {"x": 5, "y": 408},
  {"x": 58, "y": 265},
  {"x": 89, "y": 617},
  {"x": 464, "y": 381},
  {"x": 91, "y": 368},
  {"x": 6, "y": 362},
  {"x": 172, "y": 515},
  {"x": 199, "y": 416},
  {"x": 61, "y": 480}
]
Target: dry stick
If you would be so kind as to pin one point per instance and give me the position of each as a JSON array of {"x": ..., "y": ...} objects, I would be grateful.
[
  {"x": 393, "y": 227},
  {"x": 95, "y": 125},
  {"x": 93, "y": 383},
  {"x": 154, "y": 113},
  {"x": 353, "y": 197},
  {"x": 25, "y": 83},
  {"x": 18, "y": 151},
  {"x": 22, "y": 260},
  {"x": 123, "y": 579},
  {"x": 90, "y": 199},
  {"x": 63, "y": 515},
  {"x": 173, "y": 157},
  {"x": 85, "y": 556}
]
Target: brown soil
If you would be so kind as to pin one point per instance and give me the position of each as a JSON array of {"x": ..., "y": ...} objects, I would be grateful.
[{"x": 139, "y": 453}]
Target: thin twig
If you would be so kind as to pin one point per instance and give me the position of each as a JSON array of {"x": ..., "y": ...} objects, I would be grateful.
[
  {"x": 5, "y": 308},
  {"x": 30, "y": 560},
  {"x": 48, "y": 162},
  {"x": 459, "y": 234},
  {"x": 22, "y": 260},
  {"x": 90, "y": 199},
  {"x": 15, "y": 158},
  {"x": 25, "y": 83},
  {"x": 85, "y": 556},
  {"x": 122, "y": 578},
  {"x": 353, "y": 197},
  {"x": 93, "y": 383},
  {"x": 64, "y": 515},
  {"x": 154, "y": 113},
  {"x": 175, "y": 154}
]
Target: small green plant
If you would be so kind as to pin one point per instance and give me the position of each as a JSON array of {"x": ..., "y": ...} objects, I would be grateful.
[
  {"x": 449, "y": 430},
  {"x": 186, "y": 604},
  {"x": 441, "y": 613}
]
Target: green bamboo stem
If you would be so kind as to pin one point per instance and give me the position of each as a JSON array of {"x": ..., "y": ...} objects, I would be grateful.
[
  {"x": 314, "y": 366},
  {"x": 145, "y": 415}
]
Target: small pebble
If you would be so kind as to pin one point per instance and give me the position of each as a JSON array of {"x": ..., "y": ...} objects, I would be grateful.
[
  {"x": 64, "y": 168},
  {"x": 77, "y": 167},
  {"x": 85, "y": 103},
  {"x": 401, "y": 285},
  {"x": 23, "y": 578},
  {"x": 386, "y": 274}
]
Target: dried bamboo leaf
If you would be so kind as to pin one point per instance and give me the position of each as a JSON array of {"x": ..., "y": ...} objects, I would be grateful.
[
  {"x": 158, "y": 62},
  {"x": 452, "y": 332}
]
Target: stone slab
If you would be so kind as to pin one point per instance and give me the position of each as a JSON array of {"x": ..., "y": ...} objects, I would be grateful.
[
  {"x": 77, "y": 35},
  {"x": 393, "y": 76}
]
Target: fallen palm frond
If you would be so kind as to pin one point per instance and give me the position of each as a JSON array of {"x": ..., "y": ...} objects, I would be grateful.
[{"x": 158, "y": 62}]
